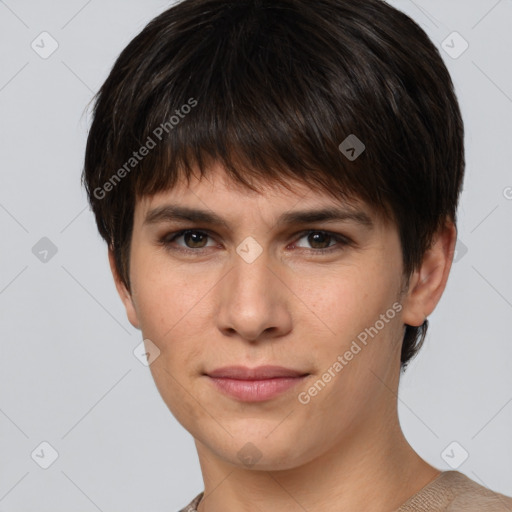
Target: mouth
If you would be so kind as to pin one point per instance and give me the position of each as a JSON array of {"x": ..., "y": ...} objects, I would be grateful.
[
  {"x": 255, "y": 384},
  {"x": 258, "y": 373}
]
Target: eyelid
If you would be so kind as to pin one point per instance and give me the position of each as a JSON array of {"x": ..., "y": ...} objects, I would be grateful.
[
  {"x": 170, "y": 237},
  {"x": 340, "y": 239}
]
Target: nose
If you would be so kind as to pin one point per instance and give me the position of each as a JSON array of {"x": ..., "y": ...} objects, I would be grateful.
[{"x": 254, "y": 301}]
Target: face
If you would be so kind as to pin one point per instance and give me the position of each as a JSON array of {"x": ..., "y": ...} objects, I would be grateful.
[{"x": 318, "y": 296}]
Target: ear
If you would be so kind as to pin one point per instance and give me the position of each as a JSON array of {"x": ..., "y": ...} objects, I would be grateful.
[
  {"x": 125, "y": 295},
  {"x": 427, "y": 283}
]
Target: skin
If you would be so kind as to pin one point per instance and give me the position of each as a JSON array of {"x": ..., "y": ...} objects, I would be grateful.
[{"x": 344, "y": 450}]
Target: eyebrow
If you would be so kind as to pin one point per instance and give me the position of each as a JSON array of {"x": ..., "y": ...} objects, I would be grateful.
[{"x": 172, "y": 212}]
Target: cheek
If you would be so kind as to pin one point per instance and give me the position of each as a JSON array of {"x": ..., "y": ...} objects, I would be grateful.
[
  {"x": 357, "y": 312},
  {"x": 169, "y": 309},
  {"x": 172, "y": 307},
  {"x": 346, "y": 300},
  {"x": 163, "y": 291}
]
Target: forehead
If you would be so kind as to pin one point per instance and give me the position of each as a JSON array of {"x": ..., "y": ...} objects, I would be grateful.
[{"x": 216, "y": 198}]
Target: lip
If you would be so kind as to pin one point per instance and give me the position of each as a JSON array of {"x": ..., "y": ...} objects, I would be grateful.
[
  {"x": 255, "y": 384},
  {"x": 258, "y": 373}
]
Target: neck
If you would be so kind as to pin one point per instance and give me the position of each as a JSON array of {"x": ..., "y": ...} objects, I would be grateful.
[{"x": 373, "y": 469}]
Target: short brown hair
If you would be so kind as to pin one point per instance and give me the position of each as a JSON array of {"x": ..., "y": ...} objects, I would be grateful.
[{"x": 271, "y": 89}]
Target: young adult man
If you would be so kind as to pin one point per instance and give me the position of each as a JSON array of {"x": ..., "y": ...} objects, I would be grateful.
[{"x": 278, "y": 182}]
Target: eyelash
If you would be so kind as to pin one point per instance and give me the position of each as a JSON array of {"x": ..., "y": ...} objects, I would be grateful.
[{"x": 167, "y": 240}]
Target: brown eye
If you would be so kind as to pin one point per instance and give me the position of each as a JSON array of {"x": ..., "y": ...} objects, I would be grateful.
[
  {"x": 320, "y": 241},
  {"x": 195, "y": 239},
  {"x": 319, "y": 238}
]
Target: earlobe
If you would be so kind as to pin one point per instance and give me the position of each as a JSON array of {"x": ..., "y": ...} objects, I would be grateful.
[
  {"x": 428, "y": 283},
  {"x": 123, "y": 292}
]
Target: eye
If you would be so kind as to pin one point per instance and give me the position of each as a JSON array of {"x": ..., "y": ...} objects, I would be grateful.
[
  {"x": 321, "y": 238},
  {"x": 194, "y": 240}
]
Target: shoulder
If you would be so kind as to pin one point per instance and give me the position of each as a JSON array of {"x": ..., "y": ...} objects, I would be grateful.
[
  {"x": 453, "y": 491},
  {"x": 192, "y": 506},
  {"x": 471, "y": 496}
]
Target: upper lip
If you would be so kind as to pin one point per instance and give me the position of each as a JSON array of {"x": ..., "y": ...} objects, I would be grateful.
[{"x": 258, "y": 373}]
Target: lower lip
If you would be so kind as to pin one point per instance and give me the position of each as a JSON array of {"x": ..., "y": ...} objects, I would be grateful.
[{"x": 255, "y": 390}]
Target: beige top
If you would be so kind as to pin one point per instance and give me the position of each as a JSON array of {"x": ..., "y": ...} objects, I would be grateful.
[{"x": 451, "y": 491}]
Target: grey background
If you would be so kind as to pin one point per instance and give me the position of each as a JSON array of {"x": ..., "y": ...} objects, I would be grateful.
[{"x": 68, "y": 375}]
